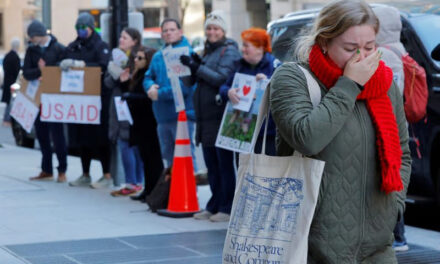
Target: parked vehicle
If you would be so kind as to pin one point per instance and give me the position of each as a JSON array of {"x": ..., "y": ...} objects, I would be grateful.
[{"x": 420, "y": 35}]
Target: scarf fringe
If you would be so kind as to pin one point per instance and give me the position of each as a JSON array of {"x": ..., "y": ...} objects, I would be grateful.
[{"x": 391, "y": 180}]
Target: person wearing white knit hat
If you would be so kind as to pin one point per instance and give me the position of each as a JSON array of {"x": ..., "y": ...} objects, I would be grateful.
[
  {"x": 209, "y": 72},
  {"x": 216, "y": 18}
]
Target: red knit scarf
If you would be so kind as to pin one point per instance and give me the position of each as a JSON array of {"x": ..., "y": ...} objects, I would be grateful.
[{"x": 381, "y": 111}]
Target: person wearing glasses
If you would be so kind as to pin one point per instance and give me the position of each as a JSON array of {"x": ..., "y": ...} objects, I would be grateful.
[
  {"x": 210, "y": 72},
  {"x": 143, "y": 133},
  {"x": 45, "y": 50},
  {"x": 157, "y": 85},
  {"x": 88, "y": 49}
]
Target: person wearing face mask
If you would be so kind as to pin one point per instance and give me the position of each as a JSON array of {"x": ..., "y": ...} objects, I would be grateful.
[
  {"x": 256, "y": 60},
  {"x": 358, "y": 129},
  {"x": 45, "y": 50},
  {"x": 209, "y": 72},
  {"x": 119, "y": 131},
  {"x": 88, "y": 49}
]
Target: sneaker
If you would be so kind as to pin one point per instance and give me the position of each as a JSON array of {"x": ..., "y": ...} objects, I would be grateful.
[
  {"x": 219, "y": 217},
  {"x": 43, "y": 176},
  {"x": 81, "y": 181},
  {"x": 127, "y": 191},
  {"x": 203, "y": 215},
  {"x": 61, "y": 177},
  {"x": 102, "y": 183},
  {"x": 400, "y": 246}
]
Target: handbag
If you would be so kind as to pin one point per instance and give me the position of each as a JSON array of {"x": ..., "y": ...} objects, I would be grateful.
[{"x": 274, "y": 201}]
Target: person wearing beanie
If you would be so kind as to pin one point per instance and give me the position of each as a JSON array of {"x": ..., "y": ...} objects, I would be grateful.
[
  {"x": 256, "y": 60},
  {"x": 88, "y": 49},
  {"x": 45, "y": 50},
  {"x": 209, "y": 73}
]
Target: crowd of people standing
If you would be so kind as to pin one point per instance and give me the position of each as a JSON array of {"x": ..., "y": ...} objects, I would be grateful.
[
  {"x": 146, "y": 147},
  {"x": 360, "y": 112}
]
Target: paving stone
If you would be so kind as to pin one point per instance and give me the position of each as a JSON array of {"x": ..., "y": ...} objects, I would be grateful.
[{"x": 64, "y": 247}]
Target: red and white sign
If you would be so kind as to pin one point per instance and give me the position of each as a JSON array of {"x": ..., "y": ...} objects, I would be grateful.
[
  {"x": 24, "y": 112},
  {"x": 68, "y": 108},
  {"x": 247, "y": 85}
]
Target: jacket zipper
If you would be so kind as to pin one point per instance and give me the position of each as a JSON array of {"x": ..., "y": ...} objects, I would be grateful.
[{"x": 361, "y": 122}]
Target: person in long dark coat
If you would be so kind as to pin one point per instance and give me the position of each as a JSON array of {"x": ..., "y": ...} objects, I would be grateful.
[
  {"x": 88, "y": 49},
  {"x": 45, "y": 50},
  {"x": 143, "y": 132},
  {"x": 210, "y": 72},
  {"x": 11, "y": 69}
]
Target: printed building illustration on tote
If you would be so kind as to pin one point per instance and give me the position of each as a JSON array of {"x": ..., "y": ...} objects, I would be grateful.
[{"x": 268, "y": 207}]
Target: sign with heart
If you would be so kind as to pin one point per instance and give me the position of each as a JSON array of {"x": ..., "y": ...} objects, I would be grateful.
[{"x": 246, "y": 85}]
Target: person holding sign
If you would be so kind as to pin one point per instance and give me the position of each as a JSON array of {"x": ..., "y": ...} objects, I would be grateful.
[
  {"x": 88, "y": 49},
  {"x": 45, "y": 50},
  {"x": 210, "y": 72},
  {"x": 158, "y": 86},
  {"x": 117, "y": 79},
  {"x": 358, "y": 128},
  {"x": 259, "y": 62},
  {"x": 11, "y": 69}
]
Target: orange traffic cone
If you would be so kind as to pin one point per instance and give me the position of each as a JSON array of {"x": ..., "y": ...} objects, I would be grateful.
[{"x": 182, "y": 200}]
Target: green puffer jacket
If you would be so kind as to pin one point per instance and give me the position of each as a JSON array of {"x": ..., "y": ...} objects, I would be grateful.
[{"x": 354, "y": 219}]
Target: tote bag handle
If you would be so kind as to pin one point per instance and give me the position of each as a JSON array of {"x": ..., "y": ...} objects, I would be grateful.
[{"x": 263, "y": 113}]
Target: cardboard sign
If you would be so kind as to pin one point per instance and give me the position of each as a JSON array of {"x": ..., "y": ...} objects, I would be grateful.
[
  {"x": 72, "y": 81},
  {"x": 179, "y": 103},
  {"x": 24, "y": 112},
  {"x": 32, "y": 89},
  {"x": 171, "y": 57},
  {"x": 67, "y": 108},
  {"x": 51, "y": 82},
  {"x": 122, "y": 110},
  {"x": 247, "y": 86},
  {"x": 237, "y": 127}
]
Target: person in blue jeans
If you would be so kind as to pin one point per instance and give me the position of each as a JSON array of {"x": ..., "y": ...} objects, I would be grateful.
[
  {"x": 119, "y": 131},
  {"x": 45, "y": 50},
  {"x": 157, "y": 85}
]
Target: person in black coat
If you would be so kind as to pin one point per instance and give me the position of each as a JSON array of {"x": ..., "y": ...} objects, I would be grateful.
[
  {"x": 11, "y": 69},
  {"x": 210, "y": 72},
  {"x": 143, "y": 132},
  {"x": 88, "y": 49},
  {"x": 45, "y": 50}
]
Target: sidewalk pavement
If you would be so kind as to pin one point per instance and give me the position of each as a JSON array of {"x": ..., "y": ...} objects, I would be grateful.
[{"x": 40, "y": 212}]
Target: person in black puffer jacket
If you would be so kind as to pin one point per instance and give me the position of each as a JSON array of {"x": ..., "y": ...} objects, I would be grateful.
[
  {"x": 143, "y": 132},
  {"x": 44, "y": 50},
  {"x": 89, "y": 49},
  {"x": 210, "y": 72}
]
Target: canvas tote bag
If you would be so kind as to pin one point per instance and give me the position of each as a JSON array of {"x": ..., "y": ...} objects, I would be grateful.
[{"x": 274, "y": 201}]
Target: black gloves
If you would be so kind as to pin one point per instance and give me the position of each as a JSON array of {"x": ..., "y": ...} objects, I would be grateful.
[{"x": 192, "y": 62}]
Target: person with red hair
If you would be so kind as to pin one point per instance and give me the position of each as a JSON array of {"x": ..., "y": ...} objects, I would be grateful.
[{"x": 256, "y": 60}]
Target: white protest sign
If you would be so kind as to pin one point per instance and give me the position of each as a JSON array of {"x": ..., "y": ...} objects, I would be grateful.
[
  {"x": 120, "y": 58},
  {"x": 247, "y": 86},
  {"x": 171, "y": 57},
  {"x": 177, "y": 94},
  {"x": 122, "y": 110},
  {"x": 72, "y": 81},
  {"x": 32, "y": 88},
  {"x": 24, "y": 112},
  {"x": 68, "y": 108}
]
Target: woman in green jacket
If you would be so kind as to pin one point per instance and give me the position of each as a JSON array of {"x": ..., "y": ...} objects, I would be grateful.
[{"x": 358, "y": 129}]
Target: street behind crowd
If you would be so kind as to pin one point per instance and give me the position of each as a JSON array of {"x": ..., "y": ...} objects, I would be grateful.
[{"x": 49, "y": 222}]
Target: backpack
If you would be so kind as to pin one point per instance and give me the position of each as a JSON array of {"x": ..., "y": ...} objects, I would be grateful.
[
  {"x": 415, "y": 91},
  {"x": 158, "y": 198}
]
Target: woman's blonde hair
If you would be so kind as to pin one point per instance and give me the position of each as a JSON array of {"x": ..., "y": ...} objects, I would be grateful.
[{"x": 333, "y": 20}]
